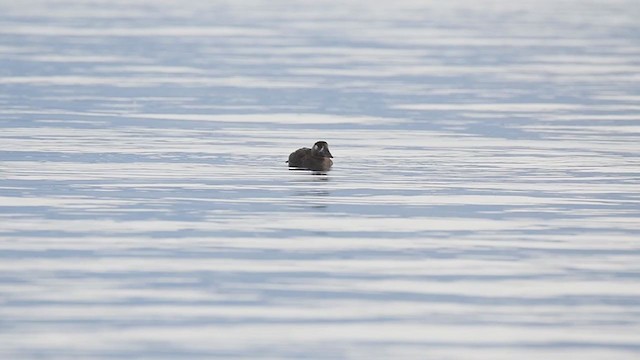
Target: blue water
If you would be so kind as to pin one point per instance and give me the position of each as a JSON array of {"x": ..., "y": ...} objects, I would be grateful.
[{"x": 483, "y": 204}]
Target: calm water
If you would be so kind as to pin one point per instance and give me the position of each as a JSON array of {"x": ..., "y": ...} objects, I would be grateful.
[{"x": 484, "y": 202}]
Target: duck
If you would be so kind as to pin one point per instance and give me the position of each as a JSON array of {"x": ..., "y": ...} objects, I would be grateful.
[{"x": 318, "y": 158}]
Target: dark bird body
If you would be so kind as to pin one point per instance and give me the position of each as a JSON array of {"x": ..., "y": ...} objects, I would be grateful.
[{"x": 318, "y": 158}]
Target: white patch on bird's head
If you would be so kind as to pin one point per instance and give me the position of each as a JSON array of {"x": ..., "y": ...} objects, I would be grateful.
[{"x": 321, "y": 148}]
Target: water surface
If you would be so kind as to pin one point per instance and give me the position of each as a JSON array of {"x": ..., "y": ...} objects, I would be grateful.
[{"x": 484, "y": 201}]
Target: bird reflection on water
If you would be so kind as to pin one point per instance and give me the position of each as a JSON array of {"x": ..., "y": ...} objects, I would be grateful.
[{"x": 307, "y": 191}]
